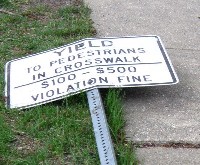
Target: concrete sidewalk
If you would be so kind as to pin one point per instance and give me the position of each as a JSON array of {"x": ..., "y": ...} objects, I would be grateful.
[{"x": 164, "y": 114}]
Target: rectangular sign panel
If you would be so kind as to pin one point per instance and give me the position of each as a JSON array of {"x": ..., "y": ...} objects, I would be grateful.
[{"x": 86, "y": 64}]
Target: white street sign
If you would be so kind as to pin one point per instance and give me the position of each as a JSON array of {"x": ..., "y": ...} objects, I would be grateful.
[{"x": 87, "y": 64}]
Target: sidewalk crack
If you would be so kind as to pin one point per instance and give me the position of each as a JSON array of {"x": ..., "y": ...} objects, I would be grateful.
[
  {"x": 166, "y": 144},
  {"x": 184, "y": 49}
]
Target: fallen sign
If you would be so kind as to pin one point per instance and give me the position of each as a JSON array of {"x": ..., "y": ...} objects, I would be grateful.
[{"x": 84, "y": 65}]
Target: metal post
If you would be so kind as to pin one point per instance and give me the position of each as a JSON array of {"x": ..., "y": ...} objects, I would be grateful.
[{"x": 101, "y": 130}]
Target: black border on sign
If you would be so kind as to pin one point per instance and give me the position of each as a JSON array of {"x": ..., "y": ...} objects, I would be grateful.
[
  {"x": 8, "y": 84},
  {"x": 164, "y": 53},
  {"x": 167, "y": 61}
]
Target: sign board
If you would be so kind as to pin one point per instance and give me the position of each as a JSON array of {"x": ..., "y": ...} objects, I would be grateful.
[{"x": 86, "y": 64}]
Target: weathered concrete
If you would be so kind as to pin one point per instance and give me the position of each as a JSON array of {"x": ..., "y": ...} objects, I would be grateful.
[
  {"x": 176, "y": 22},
  {"x": 164, "y": 113},
  {"x": 168, "y": 156},
  {"x": 167, "y": 113}
]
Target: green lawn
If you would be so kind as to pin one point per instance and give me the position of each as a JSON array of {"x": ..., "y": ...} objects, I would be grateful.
[{"x": 60, "y": 132}]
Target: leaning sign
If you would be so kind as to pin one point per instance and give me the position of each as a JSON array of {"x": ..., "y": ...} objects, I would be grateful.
[{"x": 87, "y": 64}]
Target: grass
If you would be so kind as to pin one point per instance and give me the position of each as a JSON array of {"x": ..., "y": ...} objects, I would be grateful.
[{"x": 60, "y": 132}]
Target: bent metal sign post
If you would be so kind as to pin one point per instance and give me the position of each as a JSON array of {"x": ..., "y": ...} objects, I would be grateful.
[{"x": 84, "y": 65}]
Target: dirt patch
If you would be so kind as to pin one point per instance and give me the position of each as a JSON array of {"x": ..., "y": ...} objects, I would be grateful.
[
  {"x": 24, "y": 144},
  {"x": 54, "y": 4},
  {"x": 31, "y": 9},
  {"x": 63, "y": 160}
]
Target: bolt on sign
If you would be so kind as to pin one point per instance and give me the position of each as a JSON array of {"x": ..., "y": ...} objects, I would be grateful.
[{"x": 84, "y": 65}]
